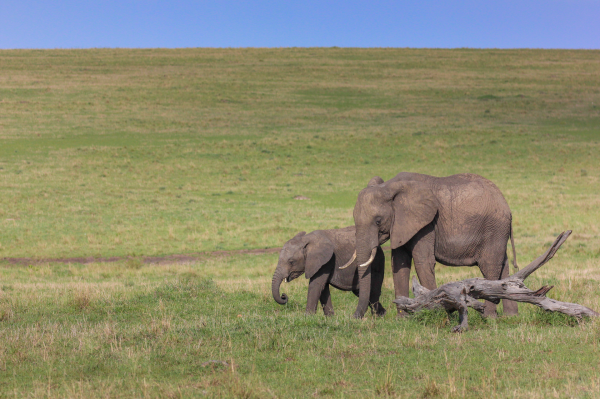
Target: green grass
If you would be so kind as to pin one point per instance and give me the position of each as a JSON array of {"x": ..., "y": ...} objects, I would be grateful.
[
  {"x": 152, "y": 152},
  {"x": 122, "y": 330}
]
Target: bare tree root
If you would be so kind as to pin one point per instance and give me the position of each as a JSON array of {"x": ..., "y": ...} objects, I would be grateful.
[{"x": 459, "y": 295}]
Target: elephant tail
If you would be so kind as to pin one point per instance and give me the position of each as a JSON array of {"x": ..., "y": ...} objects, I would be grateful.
[{"x": 512, "y": 243}]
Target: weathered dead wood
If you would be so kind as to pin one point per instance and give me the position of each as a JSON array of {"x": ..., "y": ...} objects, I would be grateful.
[{"x": 459, "y": 295}]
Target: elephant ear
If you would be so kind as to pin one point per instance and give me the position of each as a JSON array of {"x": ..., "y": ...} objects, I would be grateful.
[
  {"x": 301, "y": 234},
  {"x": 375, "y": 181},
  {"x": 318, "y": 250},
  {"x": 415, "y": 206}
]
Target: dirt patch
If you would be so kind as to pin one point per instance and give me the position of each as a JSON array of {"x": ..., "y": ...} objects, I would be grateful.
[{"x": 184, "y": 258}]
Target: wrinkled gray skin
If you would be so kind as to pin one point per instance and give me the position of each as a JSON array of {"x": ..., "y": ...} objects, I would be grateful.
[
  {"x": 459, "y": 220},
  {"x": 319, "y": 255}
]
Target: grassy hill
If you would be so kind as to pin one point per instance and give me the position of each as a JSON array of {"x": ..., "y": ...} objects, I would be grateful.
[{"x": 155, "y": 152}]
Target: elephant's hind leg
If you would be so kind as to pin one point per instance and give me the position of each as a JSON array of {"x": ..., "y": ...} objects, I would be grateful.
[
  {"x": 496, "y": 271},
  {"x": 509, "y": 308},
  {"x": 490, "y": 272},
  {"x": 325, "y": 300}
]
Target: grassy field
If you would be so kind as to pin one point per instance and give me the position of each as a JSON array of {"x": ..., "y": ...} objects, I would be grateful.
[{"x": 158, "y": 152}]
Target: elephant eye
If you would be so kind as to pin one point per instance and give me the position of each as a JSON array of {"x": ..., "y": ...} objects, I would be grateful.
[{"x": 378, "y": 222}]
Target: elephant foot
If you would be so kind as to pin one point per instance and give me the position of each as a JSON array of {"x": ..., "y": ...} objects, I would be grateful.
[
  {"x": 327, "y": 310},
  {"x": 357, "y": 315},
  {"x": 492, "y": 315},
  {"x": 378, "y": 310},
  {"x": 489, "y": 310},
  {"x": 510, "y": 308}
]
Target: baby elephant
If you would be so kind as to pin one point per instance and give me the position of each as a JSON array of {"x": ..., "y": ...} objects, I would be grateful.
[{"x": 326, "y": 257}]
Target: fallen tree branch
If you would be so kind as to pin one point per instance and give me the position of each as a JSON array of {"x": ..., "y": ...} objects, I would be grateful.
[{"x": 459, "y": 295}]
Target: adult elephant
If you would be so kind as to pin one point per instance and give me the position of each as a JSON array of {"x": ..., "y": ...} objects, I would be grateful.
[{"x": 459, "y": 220}]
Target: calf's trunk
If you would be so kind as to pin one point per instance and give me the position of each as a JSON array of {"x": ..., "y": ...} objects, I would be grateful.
[{"x": 277, "y": 279}]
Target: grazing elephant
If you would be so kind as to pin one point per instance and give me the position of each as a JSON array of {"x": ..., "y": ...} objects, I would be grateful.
[
  {"x": 459, "y": 220},
  {"x": 326, "y": 257}
]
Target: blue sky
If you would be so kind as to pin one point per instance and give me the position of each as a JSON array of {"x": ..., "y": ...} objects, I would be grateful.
[{"x": 569, "y": 24}]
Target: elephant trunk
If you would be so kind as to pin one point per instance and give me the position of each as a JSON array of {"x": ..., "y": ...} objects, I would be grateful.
[
  {"x": 367, "y": 263},
  {"x": 367, "y": 242},
  {"x": 277, "y": 279},
  {"x": 366, "y": 247}
]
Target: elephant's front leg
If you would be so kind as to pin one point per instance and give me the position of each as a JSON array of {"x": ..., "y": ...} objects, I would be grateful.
[
  {"x": 316, "y": 286},
  {"x": 376, "y": 284},
  {"x": 422, "y": 247},
  {"x": 401, "y": 260},
  {"x": 325, "y": 300}
]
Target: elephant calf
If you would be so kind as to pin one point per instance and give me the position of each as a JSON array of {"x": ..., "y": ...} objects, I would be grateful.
[{"x": 327, "y": 258}]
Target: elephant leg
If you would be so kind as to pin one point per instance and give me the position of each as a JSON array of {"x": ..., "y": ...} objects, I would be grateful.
[
  {"x": 422, "y": 246},
  {"x": 325, "y": 300},
  {"x": 489, "y": 307},
  {"x": 489, "y": 310},
  {"x": 377, "y": 283},
  {"x": 401, "y": 263},
  {"x": 425, "y": 269},
  {"x": 316, "y": 286},
  {"x": 493, "y": 269},
  {"x": 378, "y": 309},
  {"x": 510, "y": 308}
]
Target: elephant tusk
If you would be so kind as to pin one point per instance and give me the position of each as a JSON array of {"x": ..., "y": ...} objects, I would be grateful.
[
  {"x": 350, "y": 261},
  {"x": 367, "y": 263},
  {"x": 286, "y": 280}
]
